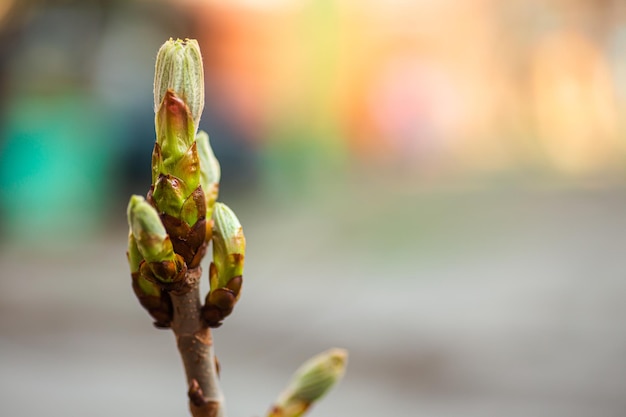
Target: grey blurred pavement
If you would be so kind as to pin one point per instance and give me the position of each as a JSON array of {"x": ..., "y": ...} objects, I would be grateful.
[{"x": 451, "y": 304}]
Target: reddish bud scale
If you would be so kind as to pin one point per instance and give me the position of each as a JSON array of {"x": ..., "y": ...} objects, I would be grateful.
[{"x": 174, "y": 127}]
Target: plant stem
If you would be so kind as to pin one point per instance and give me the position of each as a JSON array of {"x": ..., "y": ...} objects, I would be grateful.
[{"x": 195, "y": 345}]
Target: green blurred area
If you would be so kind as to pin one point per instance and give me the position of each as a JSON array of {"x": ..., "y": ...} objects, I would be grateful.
[{"x": 54, "y": 182}]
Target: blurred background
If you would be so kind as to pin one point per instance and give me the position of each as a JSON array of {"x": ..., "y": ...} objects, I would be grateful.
[{"x": 437, "y": 186}]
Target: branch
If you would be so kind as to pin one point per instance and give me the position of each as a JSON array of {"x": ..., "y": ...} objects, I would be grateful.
[{"x": 195, "y": 345}]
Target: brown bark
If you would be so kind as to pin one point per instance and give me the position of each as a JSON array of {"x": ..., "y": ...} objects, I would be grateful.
[{"x": 195, "y": 345}]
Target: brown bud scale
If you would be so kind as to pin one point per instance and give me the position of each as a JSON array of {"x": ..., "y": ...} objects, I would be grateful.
[
  {"x": 221, "y": 302},
  {"x": 160, "y": 308}
]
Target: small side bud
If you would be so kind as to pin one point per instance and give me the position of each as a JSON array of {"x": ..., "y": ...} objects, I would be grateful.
[
  {"x": 179, "y": 69},
  {"x": 149, "y": 294},
  {"x": 229, "y": 244},
  {"x": 310, "y": 383},
  {"x": 209, "y": 171},
  {"x": 226, "y": 270},
  {"x": 152, "y": 241}
]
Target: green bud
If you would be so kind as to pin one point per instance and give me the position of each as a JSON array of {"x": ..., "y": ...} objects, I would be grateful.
[
  {"x": 226, "y": 270},
  {"x": 310, "y": 382},
  {"x": 229, "y": 245},
  {"x": 152, "y": 241},
  {"x": 179, "y": 69},
  {"x": 149, "y": 294},
  {"x": 209, "y": 170}
]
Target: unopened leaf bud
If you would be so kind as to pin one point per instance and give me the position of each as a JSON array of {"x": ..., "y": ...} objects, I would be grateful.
[
  {"x": 150, "y": 236},
  {"x": 179, "y": 69},
  {"x": 226, "y": 271},
  {"x": 229, "y": 245},
  {"x": 209, "y": 170},
  {"x": 310, "y": 382}
]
